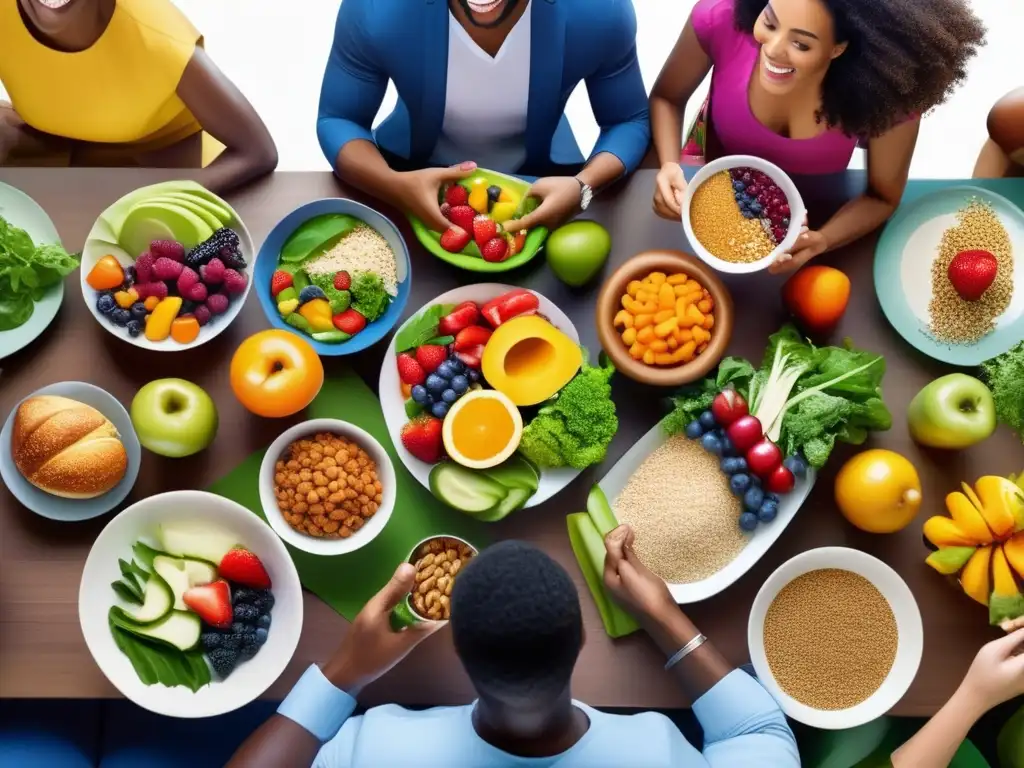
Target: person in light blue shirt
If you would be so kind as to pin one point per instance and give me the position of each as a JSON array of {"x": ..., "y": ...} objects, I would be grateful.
[{"x": 517, "y": 628}]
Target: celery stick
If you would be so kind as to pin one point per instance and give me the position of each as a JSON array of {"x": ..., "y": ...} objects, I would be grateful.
[{"x": 588, "y": 546}]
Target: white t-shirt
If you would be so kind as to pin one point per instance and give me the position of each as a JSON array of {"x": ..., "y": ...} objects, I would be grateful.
[{"x": 486, "y": 100}]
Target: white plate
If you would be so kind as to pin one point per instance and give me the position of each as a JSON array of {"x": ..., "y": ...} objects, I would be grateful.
[
  {"x": 140, "y": 521},
  {"x": 393, "y": 405},
  {"x": 909, "y": 647},
  {"x": 22, "y": 211},
  {"x": 758, "y": 542},
  {"x": 102, "y": 242}
]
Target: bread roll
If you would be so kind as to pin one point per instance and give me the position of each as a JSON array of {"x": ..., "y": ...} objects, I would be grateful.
[{"x": 67, "y": 448}]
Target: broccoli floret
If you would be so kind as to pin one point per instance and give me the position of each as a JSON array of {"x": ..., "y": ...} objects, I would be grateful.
[
  {"x": 369, "y": 297},
  {"x": 576, "y": 429},
  {"x": 339, "y": 300}
]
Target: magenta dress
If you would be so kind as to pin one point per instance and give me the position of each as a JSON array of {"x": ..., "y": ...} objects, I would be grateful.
[{"x": 734, "y": 55}]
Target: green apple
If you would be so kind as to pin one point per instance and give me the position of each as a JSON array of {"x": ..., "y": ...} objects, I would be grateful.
[
  {"x": 174, "y": 417},
  {"x": 577, "y": 251},
  {"x": 955, "y": 411}
]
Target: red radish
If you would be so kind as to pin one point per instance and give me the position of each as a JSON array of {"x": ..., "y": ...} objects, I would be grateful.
[
  {"x": 728, "y": 406},
  {"x": 745, "y": 433},
  {"x": 781, "y": 480},
  {"x": 763, "y": 458}
]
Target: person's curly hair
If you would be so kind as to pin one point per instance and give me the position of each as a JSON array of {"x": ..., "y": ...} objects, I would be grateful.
[{"x": 903, "y": 57}]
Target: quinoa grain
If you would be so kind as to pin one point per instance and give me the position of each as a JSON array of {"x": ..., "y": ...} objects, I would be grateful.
[
  {"x": 363, "y": 249},
  {"x": 721, "y": 228}
]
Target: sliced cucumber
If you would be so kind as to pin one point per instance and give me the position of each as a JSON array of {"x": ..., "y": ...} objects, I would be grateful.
[
  {"x": 196, "y": 540},
  {"x": 181, "y": 574},
  {"x": 465, "y": 489},
  {"x": 516, "y": 472},
  {"x": 157, "y": 601},
  {"x": 515, "y": 500},
  {"x": 178, "y": 629},
  {"x": 331, "y": 337},
  {"x": 145, "y": 554}
]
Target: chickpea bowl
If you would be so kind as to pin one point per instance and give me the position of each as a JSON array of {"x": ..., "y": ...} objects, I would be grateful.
[
  {"x": 438, "y": 561},
  {"x": 664, "y": 318},
  {"x": 741, "y": 212},
  {"x": 327, "y": 487}
]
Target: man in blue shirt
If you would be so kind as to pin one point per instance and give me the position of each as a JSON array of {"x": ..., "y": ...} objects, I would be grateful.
[{"x": 517, "y": 628}]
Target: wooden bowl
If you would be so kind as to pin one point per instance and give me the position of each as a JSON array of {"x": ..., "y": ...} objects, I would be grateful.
[{"x": 608, "y": 304}]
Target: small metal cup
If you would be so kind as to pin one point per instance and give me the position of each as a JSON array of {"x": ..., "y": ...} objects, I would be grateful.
[{"x": 404, "y": 614}]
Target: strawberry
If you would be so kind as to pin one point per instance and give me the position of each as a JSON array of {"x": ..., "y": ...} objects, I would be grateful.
[
  {"x": 410, "y": 371},
  {"x": 516, "y": 302},
  {"x": 495, "y": 249},
  {"x": 972, "y": 272},
  {"x": 342, "y": 281},
  {"x": 462, "y": 217},
  {"x": 455, "y": 239},
  {"x": 446, "y": 210},
  {"x": 422, "y": 438},
  {"x": 279, "y": 281},
  {"x": 212, "y": 602},
  {"x": 516, "y": 242},
  {"x": 471, "y": 357},
  {"x": 429, "y": 356},
  {"x": 484, "y": 228},
  {"x": 243, "y": 567},
  {"x": 463, "y": 316},
  {"x": 474, "y": 335},
  {"x": 456, "y": 194},
  {"x": 350, "y": 322}
]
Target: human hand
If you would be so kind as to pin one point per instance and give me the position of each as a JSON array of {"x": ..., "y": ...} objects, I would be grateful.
[
  {"x": 669, "y": 188},
  {"x": 631, "y": 582},
  {"x": 371, "y": 647},
  {"x": 997, "y": 673},
  {"x": 417, "y": 192},
  {"x": 560, "y": 201},
  {"x": 1012, "y": 625},
  {"x": 808, "y": 245}
]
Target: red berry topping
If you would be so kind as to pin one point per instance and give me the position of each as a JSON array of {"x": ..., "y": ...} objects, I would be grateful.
[
  {"x": 243, "y": 567},
  {"x": 342, "y": 281},
  {"x": 409, "y": 370}
]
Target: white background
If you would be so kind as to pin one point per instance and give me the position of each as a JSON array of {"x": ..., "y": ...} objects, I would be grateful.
[{"x": 276, "y": 53}]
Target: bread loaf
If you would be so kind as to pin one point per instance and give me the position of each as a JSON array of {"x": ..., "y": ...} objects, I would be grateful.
[{"x": 67, "y": 448}]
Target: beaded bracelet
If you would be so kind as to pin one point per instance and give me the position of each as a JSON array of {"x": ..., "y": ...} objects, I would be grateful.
[{"x": 685, "y": 651}]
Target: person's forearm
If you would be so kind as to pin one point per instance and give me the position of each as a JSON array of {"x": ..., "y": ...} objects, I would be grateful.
[
  {"x": 276, "y": 743},
  {"x": 234, "y": 168},
  {"x": 857, "y": 218},
  {"x": 935, "y": 744},
  {"x": 602, "y": 170},
  {"x": 667, "y": 128},
  {"x": 361, "y": 164},
  {"x": 698, "y": 672}
]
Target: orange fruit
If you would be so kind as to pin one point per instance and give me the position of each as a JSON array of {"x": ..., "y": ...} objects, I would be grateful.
[
  {"x": 276, "y": 373},
  {"x": 878, "y": 491},
  {"x": 482, "y": 429},
  {"x": 817, "y": 297}
]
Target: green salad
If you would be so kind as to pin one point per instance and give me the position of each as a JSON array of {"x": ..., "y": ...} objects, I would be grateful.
[{"x": 27, "y": 270}]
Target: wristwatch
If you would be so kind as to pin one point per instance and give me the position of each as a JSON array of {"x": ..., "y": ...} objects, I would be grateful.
[{"x": 586, "y": 194}]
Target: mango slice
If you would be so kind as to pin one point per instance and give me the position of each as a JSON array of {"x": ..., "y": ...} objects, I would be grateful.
[
  {"x": 975, "y": 578},
  {"x": 949, "y": 560},
  {"x": 1007, "y": 602},
  {"x": 1000, "y": 500},
  {"x": 968, "y": 517},
  {"x": 1014, "y": 551},
  {"x": 943, "y": 532}
]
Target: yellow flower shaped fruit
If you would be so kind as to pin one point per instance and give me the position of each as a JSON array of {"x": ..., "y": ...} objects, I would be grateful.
[{"x": 982, "y": 540}]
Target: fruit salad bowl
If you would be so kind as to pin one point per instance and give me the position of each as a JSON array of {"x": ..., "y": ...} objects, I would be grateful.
[
  {"x": 335, "y": 272},
  {"x": 482, "y": 202},
  {"x": 167, "y": 267},
  {"x": 156, "y": 577}
]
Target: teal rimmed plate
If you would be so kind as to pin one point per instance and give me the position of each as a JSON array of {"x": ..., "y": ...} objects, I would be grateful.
[
  {"x": 903, "y": 261},
  {"x": 470, "y": 259}
]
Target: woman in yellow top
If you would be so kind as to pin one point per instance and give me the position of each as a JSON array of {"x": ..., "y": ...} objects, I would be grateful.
[{"x": 122, "y": 83}]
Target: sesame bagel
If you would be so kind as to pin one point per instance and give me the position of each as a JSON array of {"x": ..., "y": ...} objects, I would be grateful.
[{"x": 67, "y": 448}]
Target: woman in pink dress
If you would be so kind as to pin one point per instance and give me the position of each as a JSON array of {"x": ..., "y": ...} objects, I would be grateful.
[{"x": 802, "y": 82}]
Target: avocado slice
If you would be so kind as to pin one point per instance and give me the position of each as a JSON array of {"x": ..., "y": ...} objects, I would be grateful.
[
  {"x": 149, "y": 221},
  {"x": 224, "y": 216},
  {"x": 195, "y": 540},
  {"x": 178, "y": 629},
  {"x": 317, "y": 235},
  {"x": 157, "y": 601},
  {"x": 211, "y": 221},
  {"x": 181, "y": 574}
]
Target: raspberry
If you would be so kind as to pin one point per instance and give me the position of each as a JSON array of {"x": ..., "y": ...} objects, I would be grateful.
[
  {"x": 186, "y": 280},
  {"x": 166, "y": 269},
  {"x": 155, "y": 288},
  {"x": 144, "y": 267},
  {"x": 195, "y": 292},
  {"x": 202, "y": 314},
  {"x": 234, "y": 281},
  {"x": 168, "y": 249},
  {"x": 213, "y": 272},
  {"x": 217, "y": 303}
]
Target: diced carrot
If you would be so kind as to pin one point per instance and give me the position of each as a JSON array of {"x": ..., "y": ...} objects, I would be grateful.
[
  {"x": 681, "y": 290},
  {"x": 681, "y": 305},
  {"x": 693, "y": 316},
  {"x": 628, "y": 303},
  {"x": 664, "y": 358},
  {"x": 623, "y": 319},
  {"x": 646, "y": 334},
  {"x": 629, "y": 336},
  {"x": 704, "y": 306},
  {"x": 647, "y": 294},
  {"x": 679, "y": 278},
  {"x": 666, "y": 297},
  {"x": 693, "y": 285},
  {"x": 685, "y": 353},
  {"x": 150, "y": 303},
  {"x": 125, "y": 299},
  {"x": 683, "y": 335},
  {"x": 632, "y": 288},
  {"x": 642, "y": 321},
  {"x": 700, "y": 335},
  {"x": 649, "y": 357},
  {"x": 661, "y": 330},
  {"x": 671, "y": 341},
  {"x": 658, "y": 345},
  {"x": 657, "y": 277},
  {"x": 709, "y": 322},
  {"x": 644, "y": 307},
  {"x": 663, "y": 315},
  {"x": 637, "y": 351},
  {"x": 701, "y": 348}
]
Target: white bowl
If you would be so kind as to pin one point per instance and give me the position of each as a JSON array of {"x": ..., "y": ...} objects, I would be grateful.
[
  {"x": 102, "y": 241},
  {"x": 385, "y": 472},
  {"x": 797, "y": 211},
  {"x": 908, "y": 623},
  {"x": 139, "y": 521}
]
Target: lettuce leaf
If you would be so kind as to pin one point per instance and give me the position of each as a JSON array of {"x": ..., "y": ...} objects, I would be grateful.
[
  {"x": 688, "y": 403},
  {"x": 26, "y": 272}
]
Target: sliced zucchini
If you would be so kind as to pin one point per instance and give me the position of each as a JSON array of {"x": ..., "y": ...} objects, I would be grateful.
[
  {"x": 515, "y": 472},
  {"x": 181, "y": 574},
  {"x": 145, "y": 554},
  {"x": 465, "y": 489},
  {"x": 157, "y": 601},
  {"x": 515, "y": 500},
  {"x": 178, "y": 629}
]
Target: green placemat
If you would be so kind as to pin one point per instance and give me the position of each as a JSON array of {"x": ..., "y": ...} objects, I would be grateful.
[{"x": 346, "y": 582}]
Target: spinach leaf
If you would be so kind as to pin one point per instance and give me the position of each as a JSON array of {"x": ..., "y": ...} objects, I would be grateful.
[
  {"x": 422, "y": 329},
  {"x": 26, "y": 272},
  {"x": 15, "y": 310},
  {"x": 317, "y": 236},
  {"x": 160, "y": 663}
]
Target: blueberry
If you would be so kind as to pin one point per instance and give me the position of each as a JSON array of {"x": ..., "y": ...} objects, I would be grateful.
[
  {"x": 711, "y": 443},
  {"x": 707, "y": 420},
  {"x": 449, "y": 396},
  {"x": 138, "y": 311},
  {"x": 134, "y": 328},
  {"x": 129, "y": 275},
  {"x": 728, "y": 449},
  {"x": 474, "y": 375},
  {"x": 739, "y": 483},
  {"x": 773, "y": 498},
  {"x": 120, "y": 317},
  {"x": 420, "y": 395},
  {"x": 694, "y": 430},
  {"x": 444, "y": 370},
  {"x": 440, "y": 410},
  {"x": 729, "y": 465},
  {"x": 436, "y": 385},
  {"x": 755, "y": 208},
  {"x": 768, "y": 511},
  {"x": 263, "y": 622},
  {"x": 738, "y": 194},
  {"x": 493, "y": 193},
  {"x": 460, "y": 384},
  {"x": 738, "y": 185},
  {"x": 753, "y": 498},
  {"x": 261, "y": 636},
  {"x": 105, "y": 304},
  {"x": 456, "y": 365},
  {"x": 748, "y": 521},
  {"x": 797, "y": 466}
]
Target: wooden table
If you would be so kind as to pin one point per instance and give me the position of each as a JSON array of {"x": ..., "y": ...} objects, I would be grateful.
[{"x": 42, "y": 653}]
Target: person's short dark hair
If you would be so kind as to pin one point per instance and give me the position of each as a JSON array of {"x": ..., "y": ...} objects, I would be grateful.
[{"x": 516, "y": 622}]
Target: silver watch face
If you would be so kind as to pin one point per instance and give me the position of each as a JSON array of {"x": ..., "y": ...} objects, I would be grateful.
[{"x": 586, "y": 195}]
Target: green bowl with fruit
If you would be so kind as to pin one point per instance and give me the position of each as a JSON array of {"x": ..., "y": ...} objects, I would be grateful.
[{"x": 500, "y": 198}]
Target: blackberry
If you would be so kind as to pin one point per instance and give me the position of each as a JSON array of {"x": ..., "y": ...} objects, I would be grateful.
[
  {"x": 134, "y": 328},
  {"x": 231, "y": 642},
  {"x": 245, "y": 612},
  {"x": 222, "y": 239},
  {"x": 264, "y": 600},
  {"x": 105, "y": 304},
  {"x": 240, "y": 628},
  {"x": 232, "y": 258},
  {"x": 223, "y": 661},
  {"x": 129, "y": 276},
  {"x": 243, "y": 595},
  {"x": 187, "y": 308},
  {"x": 249, "y": 648},
  {"x": 211, "y": 640}
]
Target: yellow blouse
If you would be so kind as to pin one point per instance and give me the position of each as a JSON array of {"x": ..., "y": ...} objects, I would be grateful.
[{"x": 121, "y": 90}]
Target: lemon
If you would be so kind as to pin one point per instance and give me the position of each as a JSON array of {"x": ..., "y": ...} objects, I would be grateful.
[
  {"x": 878, "y": 491},
  {"x": 482, "y": 429}
]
